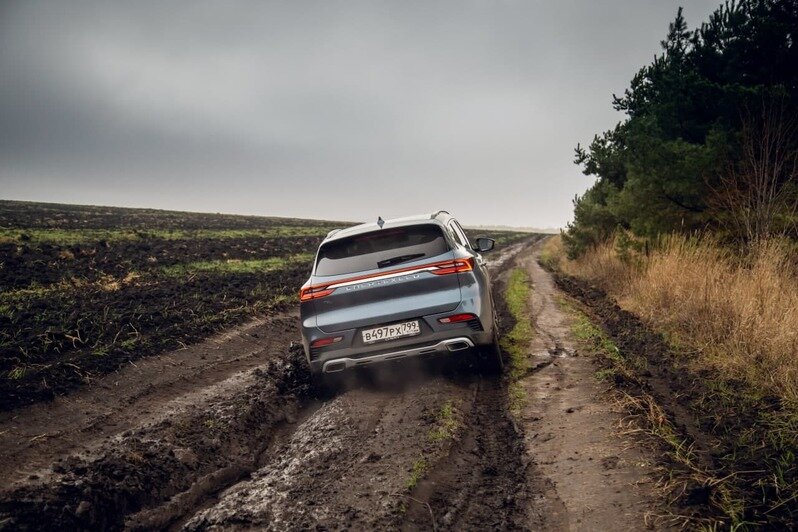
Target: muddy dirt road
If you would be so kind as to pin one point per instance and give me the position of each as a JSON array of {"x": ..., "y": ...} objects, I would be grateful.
[{"x": 235, "y": 440}]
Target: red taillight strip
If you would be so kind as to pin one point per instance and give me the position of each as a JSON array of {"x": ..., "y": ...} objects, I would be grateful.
[
  {"x": 314, "y": 292},
  {"x": 455, "y": 266},
  {"x": 322, "y": 342},
  {"x": 457, "y": 318},
  {"x": 438, "y": 268}
]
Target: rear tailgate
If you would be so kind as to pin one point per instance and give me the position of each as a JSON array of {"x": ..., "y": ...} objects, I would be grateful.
[
  {"x": 389, "y": 297},
  {"x": 412, "y": 287}
]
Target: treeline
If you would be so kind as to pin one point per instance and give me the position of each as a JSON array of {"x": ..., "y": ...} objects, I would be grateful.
[{"x": 709, "y": 142}]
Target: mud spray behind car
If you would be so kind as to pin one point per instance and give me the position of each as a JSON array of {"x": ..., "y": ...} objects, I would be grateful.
[{"x": 396, "y": 289}]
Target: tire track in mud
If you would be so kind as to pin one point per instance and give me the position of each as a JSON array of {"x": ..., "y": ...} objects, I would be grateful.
[
  {"x": 186, "y": 454},
  {"x": 262, "y": 453},
  {"x": 33, "y": 437},
  {"x": 483, "y": 483},
  {"x": 347, "y": 465},
  {"x": 351, "y": 462},
  {"x": 486, "y": 481}
]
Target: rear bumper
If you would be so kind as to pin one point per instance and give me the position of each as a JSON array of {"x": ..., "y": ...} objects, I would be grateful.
[
  {"x": 435, "y": 338},
  {"x": 444, "y": 346}
]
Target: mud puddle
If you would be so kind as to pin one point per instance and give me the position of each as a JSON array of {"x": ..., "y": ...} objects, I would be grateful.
[{"x": 350, "y": 462}]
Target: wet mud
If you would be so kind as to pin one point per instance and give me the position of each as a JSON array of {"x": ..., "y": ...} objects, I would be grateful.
[{"x": 427, "y": 445}]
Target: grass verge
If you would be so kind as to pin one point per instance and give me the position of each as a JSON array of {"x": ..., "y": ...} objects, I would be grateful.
[
  {"x": 516, "y": 342},
  {"x": 730, "y": 441},
  {"x": 735, "y": 314},
  {"x": 684, "y": 475}
]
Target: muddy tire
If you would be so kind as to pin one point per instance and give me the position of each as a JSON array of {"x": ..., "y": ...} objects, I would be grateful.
[{"x": 490, "y": 358}]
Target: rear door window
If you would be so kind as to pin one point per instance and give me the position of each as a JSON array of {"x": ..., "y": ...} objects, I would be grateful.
[
  {"x": 381, "y": 249},
  {"x": 461, "y": 234},
  {"x": 456, "y": 235}
]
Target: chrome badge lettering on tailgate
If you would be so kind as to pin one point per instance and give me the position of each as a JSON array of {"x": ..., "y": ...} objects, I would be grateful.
[{"x": 382, "y": 282}]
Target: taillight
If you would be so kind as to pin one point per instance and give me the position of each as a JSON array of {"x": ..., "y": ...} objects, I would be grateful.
[
  {"x": 454, "y": 266},
  {"x": 314, "y": 292},
  {"x": 322, "y": 342},
  {"x": 438, "y": 268},
  {"x": 457, "y": 318}
]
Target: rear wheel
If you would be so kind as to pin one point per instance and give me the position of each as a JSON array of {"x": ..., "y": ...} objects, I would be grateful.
[
  {"x": 492, "y": 360},
  {"x": 491, "y": 357}
]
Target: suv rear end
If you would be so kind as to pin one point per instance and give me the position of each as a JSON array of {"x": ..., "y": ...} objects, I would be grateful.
[{"x": 392, "y": 290}]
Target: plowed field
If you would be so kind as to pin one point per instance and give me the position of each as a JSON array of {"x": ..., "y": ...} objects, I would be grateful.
[{"x": 180, "y": 398}]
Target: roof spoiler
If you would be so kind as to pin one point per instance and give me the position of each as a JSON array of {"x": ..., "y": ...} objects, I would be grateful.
[{"x": 436, "y": 214}]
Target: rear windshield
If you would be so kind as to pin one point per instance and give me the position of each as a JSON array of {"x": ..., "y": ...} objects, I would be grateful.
[{"x": 381, "y": 249}]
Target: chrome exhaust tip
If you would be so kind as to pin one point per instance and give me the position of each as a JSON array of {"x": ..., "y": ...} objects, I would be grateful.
[
  {"x": 334, "y": 367},
  {"x": 457, "y": 346}
]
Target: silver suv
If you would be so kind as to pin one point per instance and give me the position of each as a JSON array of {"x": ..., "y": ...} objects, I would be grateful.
[{"x": 394, "y": 289}]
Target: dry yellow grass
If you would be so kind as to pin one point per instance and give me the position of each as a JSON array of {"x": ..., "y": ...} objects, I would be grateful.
[{"x": 739, "y": 314}]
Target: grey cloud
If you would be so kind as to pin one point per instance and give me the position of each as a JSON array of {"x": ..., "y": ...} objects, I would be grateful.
[{"x": 321, "y": 109}]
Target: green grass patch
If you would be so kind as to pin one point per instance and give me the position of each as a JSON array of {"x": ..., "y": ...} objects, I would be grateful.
[
  {"x": 417, "y": 473},
  {"x": 761, "y": 436},
  {"x": 16, "y": 373},
  {"x": 229, "y": 267},
  {"x": 585, "y": 331},
  {"x": 506, "y": 238},
  {"x": 71, "y": 237},
  {"x": 516, "y": 342},
  {"x": 284, "y": 299},
  {"x": 606, "y": 374},
  {"x": 447, "y": 423},
  {"x": 595, "y": 338},
  {"x": 35, "y": 290}
]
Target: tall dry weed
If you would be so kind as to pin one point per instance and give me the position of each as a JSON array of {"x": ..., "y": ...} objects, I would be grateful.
[{"x": 738, "y": 313}]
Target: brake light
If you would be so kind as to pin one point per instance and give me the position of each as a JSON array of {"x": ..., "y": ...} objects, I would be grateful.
[
  {"x": 454, "y": 266},
  {"x": 322, "y": 342},
  {"x": 314, "y": 292},
  {"x": 438, "y": 268},
  {"x": 457, "y": 318}
]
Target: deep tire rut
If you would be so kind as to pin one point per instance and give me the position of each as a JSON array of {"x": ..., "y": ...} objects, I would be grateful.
[
  {"x": 483, "y": 482},
  {"x": 257, "y": 451}
]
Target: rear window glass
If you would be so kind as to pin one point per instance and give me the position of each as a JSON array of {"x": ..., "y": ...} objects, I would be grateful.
[{"x": 381, "y": 249}]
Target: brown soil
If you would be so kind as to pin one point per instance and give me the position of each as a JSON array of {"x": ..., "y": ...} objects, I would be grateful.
[
  {"x": 76, "y": 309},
  {"x": 237, "y": 441},
  {"x": 573, "y": 430},
  {"x": 734, "y": 433},
  {"x": 70, "y": 314},
  {"x": 662, "y": 376},
  {"x": 163, "y": 386}
]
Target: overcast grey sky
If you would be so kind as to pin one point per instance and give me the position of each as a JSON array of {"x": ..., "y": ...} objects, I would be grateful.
[{"x": 336, "y": 110}]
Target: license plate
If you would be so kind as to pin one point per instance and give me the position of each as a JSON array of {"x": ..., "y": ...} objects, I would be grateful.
[{"x": 391, "y": 332}]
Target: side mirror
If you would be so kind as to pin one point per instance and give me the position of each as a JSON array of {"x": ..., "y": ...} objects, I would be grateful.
[{"x": 484, "y": 244}]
